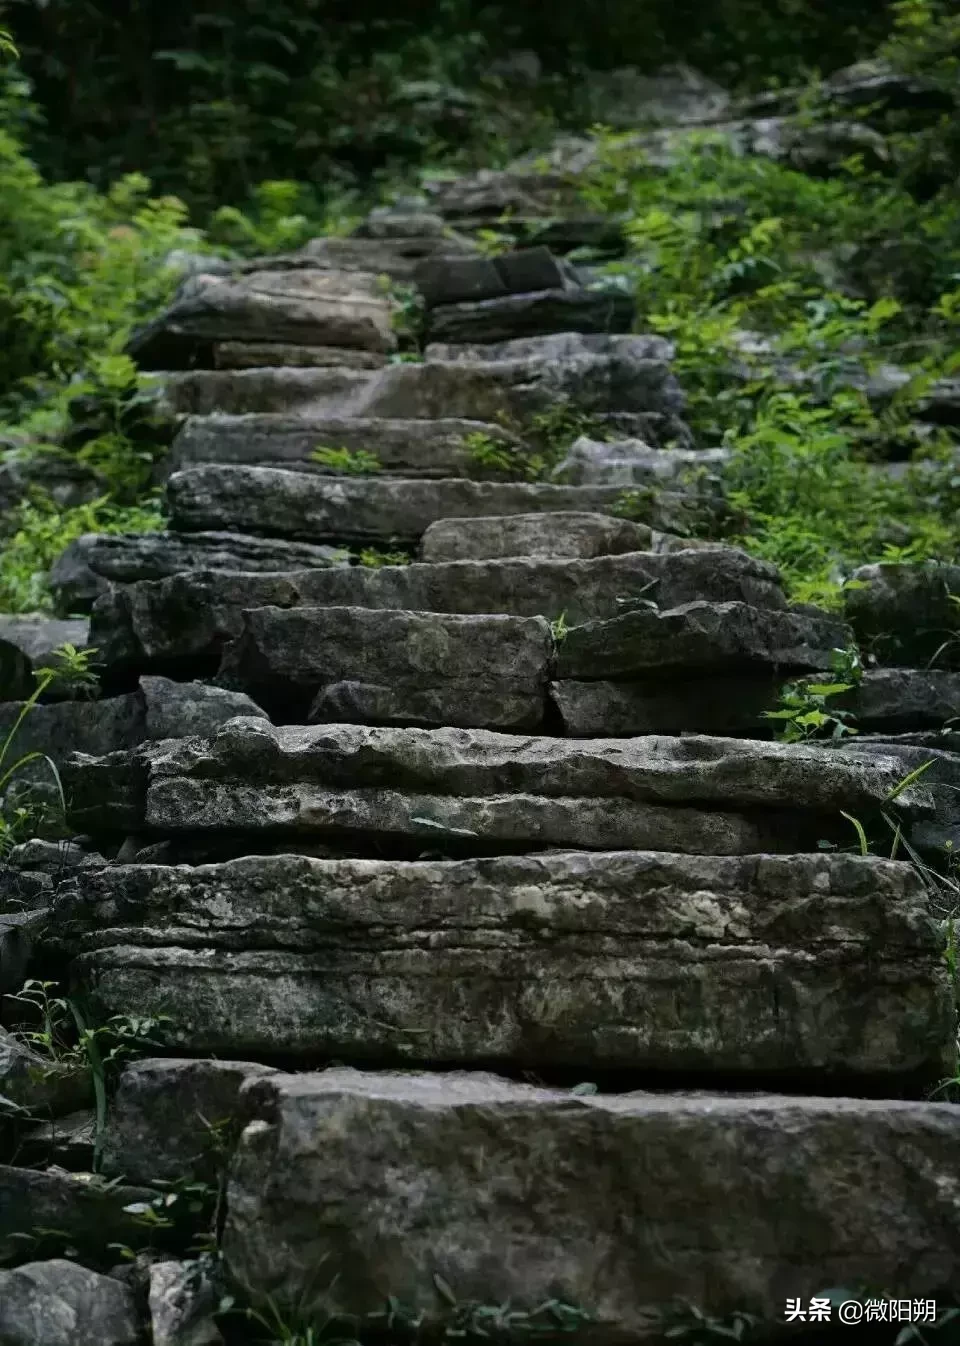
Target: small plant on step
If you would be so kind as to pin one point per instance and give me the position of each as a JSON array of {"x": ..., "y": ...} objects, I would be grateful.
[
  {"x": 374, "y": 557},
  {"x": 500, "y": 458},
  {"x": 346, "y": 462},
  {"x": 66, "y": 1037},
  {"x": 73, "y": 667},
  {"x": 803, "y": 711}
]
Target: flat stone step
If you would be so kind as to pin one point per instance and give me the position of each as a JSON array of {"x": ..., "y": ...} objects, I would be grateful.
[
  {"x": 700, "y": 637},
  {"x": 89, "y": 565},
  {"x": 312, "y": 508},
  {"x": 239, "y": 392},
  {"x": 378, "y": 666},
  {"x": 455, "y": 280},
  {"x": 273, "y": 354},
  {"x": 397, "y": 258},
  {"x": 438, "y": 448},
  {"x": 565, "y": 534},
  {"x": 185, "y": 620},
  {"x": 632, "y": 463},
  {"x": 303, "y": 306},
  {"x": 539, "y": 313},
  {"x": 447, "y": 786},
  {"x": 615, "y": 1204},
  {"x": 700, "y": 965}
]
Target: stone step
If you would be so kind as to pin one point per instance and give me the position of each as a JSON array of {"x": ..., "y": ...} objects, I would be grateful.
[
  {"x": 273, "y": 354},
  {"x": 447, "y": 786},
  {"x": 240, "y": 392},
  {"x": 383, "y": 666},
  {"x": 28, "y": 641},
  {"x": 397, "y": 258},
  {"x": 300, "y": 505},
  {"x": 565, "y": 534},
  {"x": 446, "y": 281},
  {"x": 539, "y": 313},
  {"x": 631, "y": 463},
  {"x": 379, "y": 666},
  {"x": 438, "y": 448},
  {"x": 186, "y": 619},
  {"x": 795, "y": 967},
  {"x": 303, "y": 306},
  {"x": 614, "y": 1205},
  {"x": 89, "y": 565},
  {"x": 700, "y": 638}
]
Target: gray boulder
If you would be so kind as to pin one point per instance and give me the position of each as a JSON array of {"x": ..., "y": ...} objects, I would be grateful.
[
  {"x": 183, "y": 1298},
  {"x": 59, "y": 1303}
]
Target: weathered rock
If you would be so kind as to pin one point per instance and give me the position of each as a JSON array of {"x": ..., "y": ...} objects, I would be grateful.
[
  {"x": 700, "y": 637},
  {"x": 520, "y": 377},
  {"x": 41, "y": 1086},
  {"x": 723, "y": 704},
  {"x": 237, "y": 392},
  {"x": 409, "y": 218},
  {"x": 677, "y": 95},
  {"x": 309, "y": 507},
  {"x": 457, "y": 280},
  {"x": 170, "y": 1119},
  {"x": 59, "y": 1303},
  {"x": 16, "y": 673},
  {"x": 367, "y": 665},
  {"x": 535, "y": 314},
  {"x": 631, "y": 960},
  {"x": 395, "y": 257},
  {"x": 488, "y": 193},
  {"x": 895, "y": 699},
  {"x": 38, "y": 636},
  {"x": 906, "y": 612},
  {"x": 68, "y": 1142},
  {"x": 630, "y": 462},
  {"x": 82, "y": 1209},
  {"x": 257, "y": 354},
  {"x": 187, "y": 618},
  {"x": 307, "y": 307},
  {"x": 513, "y": 1193},
  {"x": 23, "y": 898},
  {"x": 413, "y": 448},
  {"x": 350, "y": 779},
  {"x": 543, "y": 536},
  {"x": 183, "y": 1298},
  {"x": 159, "y": 709},
  {"x": 94, "y": 561}
]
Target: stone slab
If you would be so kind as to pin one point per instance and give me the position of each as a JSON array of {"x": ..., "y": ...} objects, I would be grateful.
[
  {"x": 312, "y": 508},
  {"x": 536, "y": 314},
  {"x": 700, "y": 637},
  {"x": 542, "y": 536},
  {"x": 905, "y": 614},
  {"x": 239, "y": 392},
  {"x": 617, "y": 1204},
  {"x": 381, "y": 666},
  {"x": 257, "y": 354},
  {"x": 410, "y": 448},
  {"x": 724, "y": 704},
  {"x": 816, "y": 968},
  {"x": 454, "y": 280},
  {"x": 184, "y": 620}
]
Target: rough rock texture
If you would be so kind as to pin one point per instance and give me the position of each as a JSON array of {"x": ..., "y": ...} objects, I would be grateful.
[
  {"x": 597, "y": 373},
  {"x": 894, "y": 699},
  {"x": 350, "y": 778},
  {"x": 676, "y": 704},
  {"x": 395, "y": 257},
  {"x": 158, "y": 1126},
  {"x": 631, "y": 462},
  {"x": 905, "y": 612},
  {"x": 366, "y": 665},
  {"x": 59, "y": 1303},
  {"x": 37, "y": 635},
  {"x": 392, "y": 509},
  {"x": 84, "y": 1210},
  {"x": 237, "y": 392},
  {"x": 88, "y": 566},
  {"x": 536, "y": 314},
  {"x": 699, "y": 637},
  {"x": 43, "y": 1087},
  {"x": 159, "y": 709},
  {"x": 616, "y": 1203},
  {"x": 628, "y": 960},
  {"x": 305, "y": 307},
  {"x": 257, "y": 354},
  {"x": 412, "y": 448},
  {"x": 456, "y": 280},
  {"x": 544, "y": 536},
  {"x": 187, "y": 618},
  {"x": 182, "y": 1299}
]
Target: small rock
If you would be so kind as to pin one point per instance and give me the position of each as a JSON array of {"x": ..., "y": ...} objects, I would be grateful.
[
  {"x": 59, "y": 1303},
  {"x": 183, "y": 1298}
]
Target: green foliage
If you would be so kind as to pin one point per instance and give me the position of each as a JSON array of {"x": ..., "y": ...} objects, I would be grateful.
[
  {"x": 16, "y": 820},
  {"x": 374, "y": 557},
  {"x": 41, "y": 530},
  {"x": 803, "y": 712},
  {"x": 347, "y": 462}
]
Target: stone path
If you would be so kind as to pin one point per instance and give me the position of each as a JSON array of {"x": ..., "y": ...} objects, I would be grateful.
[{"x": 503, "y": 803}]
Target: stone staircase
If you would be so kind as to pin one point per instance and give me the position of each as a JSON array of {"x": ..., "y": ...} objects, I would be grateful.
[{"x": 471, "y": 889}]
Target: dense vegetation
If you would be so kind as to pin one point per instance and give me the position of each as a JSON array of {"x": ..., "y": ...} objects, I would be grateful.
[{"x": 839, "y": 272}]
